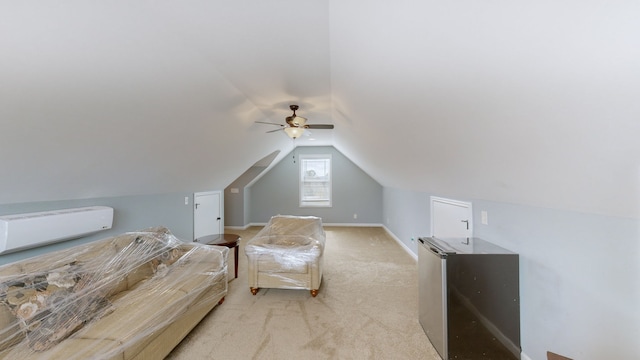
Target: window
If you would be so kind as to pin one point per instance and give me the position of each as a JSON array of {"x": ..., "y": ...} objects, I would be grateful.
[{"x": 315, "y": 180}]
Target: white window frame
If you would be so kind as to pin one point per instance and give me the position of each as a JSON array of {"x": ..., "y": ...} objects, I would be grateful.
[{"x": 301, "y": 178}]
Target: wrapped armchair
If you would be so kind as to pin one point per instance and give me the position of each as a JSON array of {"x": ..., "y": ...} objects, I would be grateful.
[{"x": 287, "y": 254}]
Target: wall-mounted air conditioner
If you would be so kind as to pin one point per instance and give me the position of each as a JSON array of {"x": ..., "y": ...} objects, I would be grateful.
[{"x": 23, "y": 231}]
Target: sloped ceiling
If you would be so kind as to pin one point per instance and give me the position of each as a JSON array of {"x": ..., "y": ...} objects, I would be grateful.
[{"x": 526, "y": 103}]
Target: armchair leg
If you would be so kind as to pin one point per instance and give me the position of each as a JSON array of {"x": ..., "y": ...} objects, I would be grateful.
[
  {"x": 254, "y": 290},
  {"x": 221, "y": 301},
  {"x": 314, "y": 292}
]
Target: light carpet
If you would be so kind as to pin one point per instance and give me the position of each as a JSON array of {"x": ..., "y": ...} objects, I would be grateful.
[{"x": 367, "y": 308}]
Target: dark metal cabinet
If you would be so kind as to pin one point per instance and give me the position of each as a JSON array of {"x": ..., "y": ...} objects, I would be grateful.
[{"x": 469, "y": 298}]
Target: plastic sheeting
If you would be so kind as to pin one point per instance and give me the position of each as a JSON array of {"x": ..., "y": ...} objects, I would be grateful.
[
  {"x": 123, "y": 297},
  {"x": 287, "y": 253}
]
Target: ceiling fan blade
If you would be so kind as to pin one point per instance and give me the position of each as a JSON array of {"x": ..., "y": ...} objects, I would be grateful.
[
  {"x": 319, "y": 126},
  {"x": 268, "y": 123},
  {"x": 270, "y": 131}
]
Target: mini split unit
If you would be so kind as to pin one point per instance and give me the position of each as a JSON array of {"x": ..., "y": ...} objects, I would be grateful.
[{"x": 23, "y": 231}]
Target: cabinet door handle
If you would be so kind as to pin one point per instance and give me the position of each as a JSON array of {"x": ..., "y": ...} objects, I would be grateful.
[{"x": 467, "y": 222}]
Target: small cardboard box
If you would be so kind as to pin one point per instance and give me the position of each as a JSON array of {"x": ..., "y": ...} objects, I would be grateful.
[{"x": 553, "y": 356}]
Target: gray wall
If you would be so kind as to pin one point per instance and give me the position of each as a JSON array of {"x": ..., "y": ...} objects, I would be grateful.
[
  {"x": 235, "y": 203},
  {"x": 354, "y": 192},
  {"x": 578, "y": 272},
  {"x": 131, "y": 213}
]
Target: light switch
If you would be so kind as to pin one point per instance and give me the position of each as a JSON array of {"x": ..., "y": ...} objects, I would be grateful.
[{"x": 485, "y": 217}]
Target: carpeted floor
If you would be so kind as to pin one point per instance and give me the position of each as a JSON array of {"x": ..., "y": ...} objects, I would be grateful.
[{"x": 366, "y": 309}]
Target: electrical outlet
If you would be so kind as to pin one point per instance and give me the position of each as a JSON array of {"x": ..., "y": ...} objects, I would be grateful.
[
  {"x": 186, "y": 200},
  {"x": 355, "y": 216},
  {"x": 485, "y": 217}
]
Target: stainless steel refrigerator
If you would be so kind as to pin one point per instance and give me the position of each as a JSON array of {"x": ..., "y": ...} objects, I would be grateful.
[{"x": 469, "y": 302}]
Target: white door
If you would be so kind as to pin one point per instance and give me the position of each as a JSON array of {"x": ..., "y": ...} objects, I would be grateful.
[
  {"x": 451, "y": 218},
  {"x": 207, "y": 214}
]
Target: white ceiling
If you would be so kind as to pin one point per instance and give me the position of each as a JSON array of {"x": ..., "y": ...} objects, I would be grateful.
[{"x": 530, "y": 103}]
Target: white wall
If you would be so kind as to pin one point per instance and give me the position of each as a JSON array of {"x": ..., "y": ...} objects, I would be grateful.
[
  {"x": 129, "y": 98},
  {"x": 521, "y": 102}
]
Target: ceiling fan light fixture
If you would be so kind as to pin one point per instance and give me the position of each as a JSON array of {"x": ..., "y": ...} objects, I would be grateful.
[
  {"x": 294, "y": 132},
  {"x": 299, "y": 121},
  {"x": 294, "y": 125}
]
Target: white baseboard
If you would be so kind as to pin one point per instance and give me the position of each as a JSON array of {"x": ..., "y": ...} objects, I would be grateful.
[
  {"x": 404, "y": 246},
  {"x": 353, "y": 224},
  {"x": 237, "y": 227},
  {"x": 323, "y": 224}
]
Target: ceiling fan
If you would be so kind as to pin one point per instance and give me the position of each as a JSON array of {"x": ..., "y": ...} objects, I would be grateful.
[{"x": 296, "y": 124}]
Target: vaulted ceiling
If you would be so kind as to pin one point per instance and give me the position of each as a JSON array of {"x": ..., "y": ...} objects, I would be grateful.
[{"x": 530, "y": 103}]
